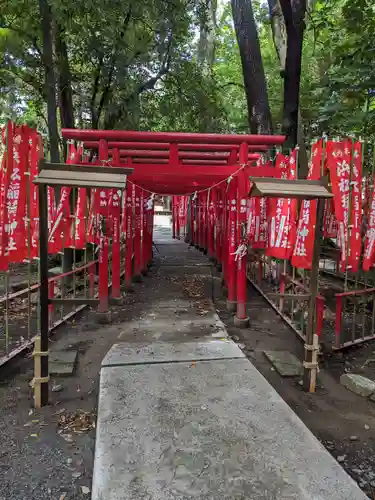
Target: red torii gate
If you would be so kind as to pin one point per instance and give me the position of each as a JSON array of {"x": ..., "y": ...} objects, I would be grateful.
[{"x": 174, "y": 163}]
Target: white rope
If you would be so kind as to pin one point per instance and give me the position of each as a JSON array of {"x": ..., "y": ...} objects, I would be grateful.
[
  {"x": 228, "y": 179},
  {"x": 240, "y": 252}
]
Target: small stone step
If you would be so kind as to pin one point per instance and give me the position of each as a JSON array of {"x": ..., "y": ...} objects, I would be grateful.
[{"x": 358, "y": 384}]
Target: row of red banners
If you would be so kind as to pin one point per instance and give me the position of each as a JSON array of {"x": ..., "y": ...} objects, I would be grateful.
[
  {"x": 273, "y": 225},
  {"x": 71, "y": 224},
  {"x": 276, "y": 226}
]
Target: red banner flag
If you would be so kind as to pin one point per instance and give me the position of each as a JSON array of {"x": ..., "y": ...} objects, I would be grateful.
[
  {"x": 15, "y": 234},
  {"x": 282, "y": 229},
  {"x": 303, "y": 248},
  {"x": 355, "y": 242},
  {"x": 80, "y": 219},
  {"x": 369, "y": 248},
  {"x": 338, "y": 164},
  {"x": 3, "y": 258},
  {"x": 257, "y": 225},
  {"x": 329, "y": 220}
]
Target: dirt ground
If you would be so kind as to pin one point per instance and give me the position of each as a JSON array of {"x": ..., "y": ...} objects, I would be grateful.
[
  {"x": 49, "y": 454},
  {"x": 342, "y": 421}
]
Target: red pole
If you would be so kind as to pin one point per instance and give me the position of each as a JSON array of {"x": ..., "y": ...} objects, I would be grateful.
[
  {"x": 241, "y": 320},
  {"x": 137, "y": 234},
  {"x": 145, "y": 238},
  {"x": 199, "y": 221},
  {"x": 204, "y": 222},
  {"x": 211, "y": 225},
  {"x": 151, "y": 230},
  {"x": 225, "y": 237},
  {"x": 179, "y": 137},
  {"x": 178, "y": 203},
  {"x": 103, "y": 273},
  {"x": 116, "y": 250},
  {"x": 173, "y": 217},
  {"x": 232, "y": 246},
  {"x": 219, "y": 226},
  {"x": 129, "y": 236},
  {"x": 192, "y": 220},
  {"x": 103, "y": 238}
]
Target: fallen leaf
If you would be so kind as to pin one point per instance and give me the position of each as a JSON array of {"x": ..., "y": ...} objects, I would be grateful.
[
  {"x": 85, "y": 490},
  {"x": 62, "y": 496},
  {"x": 34, "y": 435},
  {"x": 68, "y": 438}
]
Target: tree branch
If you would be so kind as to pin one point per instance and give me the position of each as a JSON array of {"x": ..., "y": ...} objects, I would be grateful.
[
  {"x": 149, "y": 84},
  {"x": 107, "y": 89},
  {"x": 32, "y": 38}
]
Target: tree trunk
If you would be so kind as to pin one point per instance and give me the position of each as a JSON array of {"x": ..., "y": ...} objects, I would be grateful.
[
  {"x": 280, "y": 42},
  {"x": 259, "y": 113},
  {"x": 50, "y": 82},
  {"x": 206, "y": 44},
  {"x": 67, "y": 121},
  {"x": 64, "y": 81},
  {"x": 295, "y": 25}
]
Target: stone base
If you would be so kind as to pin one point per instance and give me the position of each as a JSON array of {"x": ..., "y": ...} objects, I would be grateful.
[
  {"x": 144, "y": 272},
  {"x": 127, "y": 288},
  {"x": 204, "y": 251},
  {"x": 225, "y": 291},
  {"x": 212, "y": 259},
  {"x": 231, "y": 306},
  {"x": 103, "y": 318},
  {"x": 137, "y": 279},
  {"x": 241, "y": 322},
  {"x": 116, "y": 301},
  {"x": 219, "y": 267}
]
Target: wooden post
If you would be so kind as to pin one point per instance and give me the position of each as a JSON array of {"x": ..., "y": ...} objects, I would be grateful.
[
  {"x": 310, "y": 365},
  {"x": 41, "y": 375}
]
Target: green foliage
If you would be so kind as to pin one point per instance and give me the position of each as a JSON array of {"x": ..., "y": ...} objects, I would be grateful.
[{"x": 135, "y": 65}]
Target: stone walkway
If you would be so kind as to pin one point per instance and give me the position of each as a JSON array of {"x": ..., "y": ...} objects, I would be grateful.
[{"x": 184, "y": 414}]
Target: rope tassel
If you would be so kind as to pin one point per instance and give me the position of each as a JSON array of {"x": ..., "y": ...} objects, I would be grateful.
[{"x": 240, "y": 252}]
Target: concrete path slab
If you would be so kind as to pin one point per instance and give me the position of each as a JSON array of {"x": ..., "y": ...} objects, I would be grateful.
[
  {"x": 209, "y": 430},
  {"x": 286, "y": 364},
  {"x": 166, "y": 352},
  {"x": 174, "y": 328}
]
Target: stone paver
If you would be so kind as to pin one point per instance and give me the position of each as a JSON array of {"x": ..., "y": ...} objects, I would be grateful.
[
  {"x": 62, "y": 362},
  {"x": 358, "y": 384},
  {"x": 177, "y": 352},
  {"x": 286, "y": 364}
]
